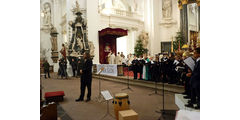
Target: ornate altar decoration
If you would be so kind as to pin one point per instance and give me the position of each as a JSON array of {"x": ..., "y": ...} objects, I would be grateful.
[
  {"x": 53, "y": 39},
  {"x": 107, "y": 42},
  {"x": 79, "y": 42}
]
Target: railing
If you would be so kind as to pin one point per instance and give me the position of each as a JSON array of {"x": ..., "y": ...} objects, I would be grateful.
[{"x": 123, "y": 13}]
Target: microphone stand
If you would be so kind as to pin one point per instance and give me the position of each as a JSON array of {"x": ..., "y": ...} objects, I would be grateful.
[
  {"x": 155, "y": 91},
  {"x": 128, "y": 81},
  {"x": 165, "y": 114},
  {"x": 99, "y": 98}
]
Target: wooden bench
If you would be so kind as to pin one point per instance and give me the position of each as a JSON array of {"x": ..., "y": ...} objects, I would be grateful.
[{"x": 54, "y": 96}]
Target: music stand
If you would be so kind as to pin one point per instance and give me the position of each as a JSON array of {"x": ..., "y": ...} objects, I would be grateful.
[
  {"x": 128, "y": 82},
  {"x": 99, "y": 98},
  {"x": 107, "y": 96}
]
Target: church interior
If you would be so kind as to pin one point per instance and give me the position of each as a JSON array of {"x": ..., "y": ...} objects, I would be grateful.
[{"x": 144, "y": 58}]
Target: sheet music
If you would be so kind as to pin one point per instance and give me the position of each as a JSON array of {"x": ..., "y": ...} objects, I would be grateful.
[
  {"x": 175, "y": 62},
  {"x": 106, "y": 95},
  {"x": 190, "y": 63}
]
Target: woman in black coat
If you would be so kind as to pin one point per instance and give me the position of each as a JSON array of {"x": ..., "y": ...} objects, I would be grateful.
[{"x": 86, "y": 77}]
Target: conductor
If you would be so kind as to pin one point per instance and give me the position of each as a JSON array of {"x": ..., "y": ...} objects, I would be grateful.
[{"x": 86, "y": 77}]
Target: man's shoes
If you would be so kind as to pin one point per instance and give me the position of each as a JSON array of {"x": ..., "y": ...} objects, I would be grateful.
[
  {"x": 78, "y": 100},
  {"x": 88, "y": 99}
]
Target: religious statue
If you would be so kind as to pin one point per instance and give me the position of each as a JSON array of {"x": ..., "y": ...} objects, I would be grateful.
[
  {"x": 92, "y": 48},
  {"x": 144, "y": 37},
  {"x": 53, "y": 38},
  {"x": 47, "y": 14},
  {"x": 167, "y": 8}
]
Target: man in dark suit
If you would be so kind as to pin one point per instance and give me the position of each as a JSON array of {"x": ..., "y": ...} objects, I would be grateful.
[
  {"x": 86, "y": 77},
  {"x": 46, "y": 67},
  {"x": 135, "y": 66},
  {"x": 195, "y": 81},
  {"x": 74, "y": 67}
]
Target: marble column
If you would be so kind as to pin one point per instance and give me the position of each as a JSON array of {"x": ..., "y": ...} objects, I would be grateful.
[
  {"x": 181, "y": 14},
  {"x": 185, "y": 21},
  {"x": 198, "y": 3}
]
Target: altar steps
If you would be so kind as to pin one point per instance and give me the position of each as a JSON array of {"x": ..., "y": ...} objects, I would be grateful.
[{"x": 149, "y": 84}]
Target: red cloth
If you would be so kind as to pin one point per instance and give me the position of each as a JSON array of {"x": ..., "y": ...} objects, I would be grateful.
[{"x": 54, "y": 94}]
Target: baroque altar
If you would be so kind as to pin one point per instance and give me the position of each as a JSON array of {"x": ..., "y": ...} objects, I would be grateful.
[{"x": 79, "y": 42}]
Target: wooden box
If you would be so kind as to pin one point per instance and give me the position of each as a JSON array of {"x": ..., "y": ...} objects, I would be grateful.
[{"x": 128, "y": 115}]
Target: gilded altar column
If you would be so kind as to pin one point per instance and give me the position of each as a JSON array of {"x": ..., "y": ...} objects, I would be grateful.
[{"x": 185, "y": 20}]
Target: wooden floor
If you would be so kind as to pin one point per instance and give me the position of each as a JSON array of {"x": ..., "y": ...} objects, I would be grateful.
[{"x": 141, "y": 102}]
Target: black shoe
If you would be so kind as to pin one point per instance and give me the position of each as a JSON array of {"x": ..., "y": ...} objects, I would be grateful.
[
  {"x": 189, "y": 105},
  {"x": 78, "y": 100},
  {"x": 88, "y": 100}
]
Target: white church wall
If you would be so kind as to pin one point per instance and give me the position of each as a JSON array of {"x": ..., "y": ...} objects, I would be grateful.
[{"x": 168, "y": 27}]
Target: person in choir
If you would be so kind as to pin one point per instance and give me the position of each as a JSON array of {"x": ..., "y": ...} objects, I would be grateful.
[
  {"x": 156, "y": 69},
  {"x": 150, "y": 68},
  {"x": 164, "y": 66},
  {"x": 135, "y": 66},
  {"x": 131, "y": 57},
  {"x": 195, "y": 81},
  {"x": 178, "y": 63},
  {"x": 124, "y": 61},
  {"x": 74, "y": 67},
  {"x": 86, "y": 77},
  {"x": 185, "y": 78},
  {"x": 145, "y": 67},
  {"x": 140, "y": 66},
  {"x": 46, "y": 67}
]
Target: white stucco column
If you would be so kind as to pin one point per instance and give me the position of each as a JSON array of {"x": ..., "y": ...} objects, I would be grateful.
[{"x": 93, "y": 23}]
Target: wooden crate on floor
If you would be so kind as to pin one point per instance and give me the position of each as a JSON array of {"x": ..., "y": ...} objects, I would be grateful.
[{"x": 128, "y": 115}]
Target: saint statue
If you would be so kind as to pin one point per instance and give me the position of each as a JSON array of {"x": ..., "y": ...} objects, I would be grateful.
[
  {"x": 167, "y": 8},
  {"x": 92, "y": 48},
  {"x": 144, "y": 37},
  {"x": 53, "y": 38},
  {"x": 47, "y": 14}
]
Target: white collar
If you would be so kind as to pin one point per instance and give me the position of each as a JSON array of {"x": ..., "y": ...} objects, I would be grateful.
[{"x": 198, "y": 59}]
